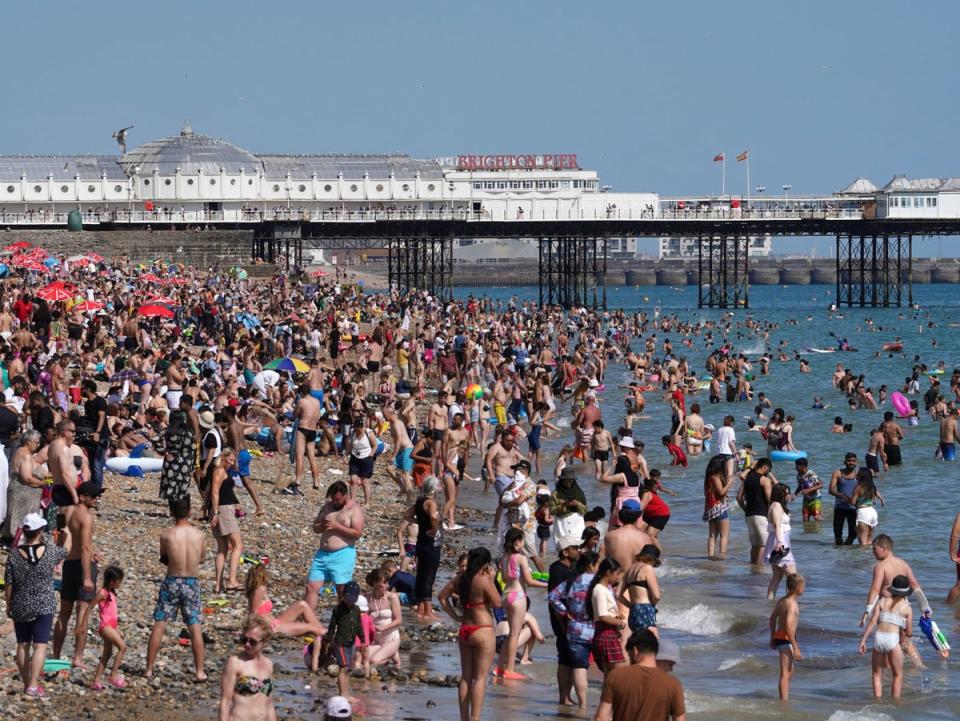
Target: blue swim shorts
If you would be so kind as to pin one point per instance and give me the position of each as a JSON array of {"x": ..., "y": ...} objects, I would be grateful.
[
  {"x": 243, "y": 462},
  {"x": 404, "y": 460},
  {"x": 333, "y": 566},
  {"x": 318, "y": 395}
]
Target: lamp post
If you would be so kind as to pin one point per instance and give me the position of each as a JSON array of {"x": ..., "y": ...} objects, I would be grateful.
[{"x": 786, "y": 193}]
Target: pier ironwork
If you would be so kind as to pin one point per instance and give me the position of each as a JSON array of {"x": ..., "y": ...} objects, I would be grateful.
[
  {"x": 573, "y": 271},
  {"x": 871, "y": 270},
  {"x": 723, "y": 264},
  {"x": 278, "y": 241},
  {"x": 421, "y": 263}
]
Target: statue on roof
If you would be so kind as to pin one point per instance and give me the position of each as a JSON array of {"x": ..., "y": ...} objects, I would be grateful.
[{"x": 121, "y": 136}]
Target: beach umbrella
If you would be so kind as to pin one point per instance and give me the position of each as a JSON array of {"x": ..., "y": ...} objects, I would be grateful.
[
  {"x": 152, "y": 309},
  {"x": 176, "y": 281},
  {"x": 289, "y": 364},
  {"x": 248, "y": 320},
  {"x": 4, "y": 270},
  {"x": 319, "y": 274},
  {"x": 88, "y": 305},
  {"x": 54, "y": 294},
  {"x": 127, "y": 374},
  {"x": 150, "y": 278},
  {"x": 163, "y": 300},
  {"x": 50, "y": 262},
  {"x": 34, "y": 266},
  {"x": 19, "y": 245}
]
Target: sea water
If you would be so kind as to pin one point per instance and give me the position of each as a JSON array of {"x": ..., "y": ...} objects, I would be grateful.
[{"x": 717, "y": 611}]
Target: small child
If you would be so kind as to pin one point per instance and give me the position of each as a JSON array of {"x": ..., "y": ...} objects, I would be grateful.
[
  {"x": 891, "y": 617},
  {"x": 745, "y": 457},
  {"x": 345, "y": 625},
  {"x": 783, "y": 631},
  {"x": 544, "y": 520},
  {"x": 109, "y": 629},
  {"x": 676, "y": 452},
  {"x": 367, "y": 633},
  {"x": 402, "y": 582},
  {"x": 810, "y": 486},
  {"x": 407, "y": 537},
  {"x": 600, "y": 446}
]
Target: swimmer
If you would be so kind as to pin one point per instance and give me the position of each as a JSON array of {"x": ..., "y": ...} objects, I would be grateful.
[{"x": 783, "y": 631}]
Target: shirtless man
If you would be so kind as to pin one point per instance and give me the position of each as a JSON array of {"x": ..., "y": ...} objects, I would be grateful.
[
  {"x": 6, "y": 322},
  {"x": 590, "y": 411},
  {"x": 500, "y": 400},
  {"x": 181, "y": 551},
  {"x": 887, "y": 568},
  {"x": 955, "y": 557},
  {"x": 401, "y": 469},
  {"x": 175, "y": 377},
  {"x": 437, "y": 426},
  {"x": 892, "y": 435},
  {"x": 625, "y": 542},
  {"x": 600, "y": 447},
  {"x": 236, "y": 438},
  {"x": 949, "y": 436},
  {"x": 58, "y": 383},
  {"x": 78, "y": 585},
  {"x": 340, "y": 525},
  {"x": 60, "y": 463},
  {"x": 501, "y": 456},
  {"x": 24, "y": 341},
  {"x": 315, "y": 379},
  {"x": 308, "y": 415},
  {"x": 455, "y": 453},
  {"x": 131, "y": 334},
  {"x": 876, "y": 458}
]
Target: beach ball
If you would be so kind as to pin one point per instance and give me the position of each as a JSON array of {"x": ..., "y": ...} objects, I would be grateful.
[{"x": 474, "y": 392}]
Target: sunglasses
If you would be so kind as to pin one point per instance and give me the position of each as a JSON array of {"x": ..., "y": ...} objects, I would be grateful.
[{"x": 244, "y": 640}]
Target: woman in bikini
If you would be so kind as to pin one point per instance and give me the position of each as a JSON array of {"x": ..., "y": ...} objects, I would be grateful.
[
  {"x": 515, "y": 571},
  {"x": 247, "y": 683},
  {"x": 477, "y": 594},
  {"x": 285, "y": 623},
  {"x": 641, "y": 591},
  {"x": 387, "y": 618}
]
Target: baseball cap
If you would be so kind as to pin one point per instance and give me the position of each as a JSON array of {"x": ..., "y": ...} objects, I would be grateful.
[
  {"x": 351, "y": 591},
  {"x": 626, "y": 442},
  {"x": 520, "y": 464},
  {"x": 89, "y": 489},
  {"x": 565, "y": 542},
  {"x": 669, "y": 651},
  {"x": 33, "y": 521},
  {"x": 631, "y": 504},
  {"x": 338, "y": 707}
]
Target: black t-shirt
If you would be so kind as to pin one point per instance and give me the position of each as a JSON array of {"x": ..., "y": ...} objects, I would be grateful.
[
  {"x": 9, "y": 425},
  {"x": 92, "y": 410},
  {"x": 43, "y": 419},
  {"x": 755, "y": 500},
  {"x": 559, "y": 574}
]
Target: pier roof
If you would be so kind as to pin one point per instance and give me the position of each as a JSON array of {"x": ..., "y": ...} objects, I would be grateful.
[
  {"x": 189, "y": 152},
  {"x": 59, "y": 167}
]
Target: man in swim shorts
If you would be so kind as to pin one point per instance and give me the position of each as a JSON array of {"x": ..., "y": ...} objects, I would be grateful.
[
  {"x": 182, "y": 551},
  {"x": 340, "y": 525},
  {"x": 949, "y": 436},
  {"x": 307, "y": 416},
  {"x": 892, "y": 435},
  {"x": 402, "y": 469}
]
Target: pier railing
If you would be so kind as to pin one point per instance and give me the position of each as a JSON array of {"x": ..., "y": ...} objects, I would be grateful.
[{"x": 372, "y": 215}]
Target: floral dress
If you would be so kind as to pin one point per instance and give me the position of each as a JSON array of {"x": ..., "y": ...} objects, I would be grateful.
[{"x": 180, "y": 455}]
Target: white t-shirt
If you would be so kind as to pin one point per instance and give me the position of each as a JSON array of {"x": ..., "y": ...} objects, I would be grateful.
[
  {"x": 725, "y": 439},
  {"x": 604, "y": 602}
]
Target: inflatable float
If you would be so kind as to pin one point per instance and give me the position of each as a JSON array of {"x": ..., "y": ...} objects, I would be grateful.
[
  {"x": 787, "y": 455},
  {"x": 894, "y": 347},
  {"x": 934, "y": 634},
  {"x": 900, "y": 404},
  {"x": 124, "y": 465},
  {"x": 935, "y": 372}
]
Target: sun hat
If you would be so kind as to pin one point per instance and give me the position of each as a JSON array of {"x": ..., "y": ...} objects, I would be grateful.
[
  {"x": 626, "y": 442},
  {"x": 900, "y": 587},
  {"x": 33, "y": 522},
  {"x": 338, "y": 707}
]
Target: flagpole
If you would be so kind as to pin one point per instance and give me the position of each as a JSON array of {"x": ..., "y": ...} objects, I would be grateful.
[
  {"x": 748, "y": 177},
  {"x": 723, "y": 175}
]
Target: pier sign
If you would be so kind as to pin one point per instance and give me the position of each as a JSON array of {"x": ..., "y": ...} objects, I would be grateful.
[{"x": 517, "y": 162}]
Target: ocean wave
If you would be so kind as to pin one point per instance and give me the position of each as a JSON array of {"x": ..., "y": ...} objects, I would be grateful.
[
  {"x": 699, "y": 620},
  {"x": 742, "y": 663},
  {"x": 668, "y": 571},
  {"x": 864, "y": 714}
]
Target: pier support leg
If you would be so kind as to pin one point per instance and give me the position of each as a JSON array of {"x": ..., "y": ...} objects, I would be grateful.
[
  {"x": 724, "y": 281},
  {"x": 422, "y": 263},
  {"x": 572, "y": 271},
  {"x": 869, "y": 271}
]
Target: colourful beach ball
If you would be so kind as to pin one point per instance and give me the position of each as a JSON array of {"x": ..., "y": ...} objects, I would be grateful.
[{"x": 474, "y": 392}]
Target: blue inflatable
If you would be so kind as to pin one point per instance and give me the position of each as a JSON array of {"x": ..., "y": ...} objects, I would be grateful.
[{"x": 787, "y": 455}]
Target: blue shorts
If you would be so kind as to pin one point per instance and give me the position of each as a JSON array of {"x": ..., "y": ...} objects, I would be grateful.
[
  {"x": 642, "y": 616},
  {"x": 333, "y": 566},
  {"x": 35, "y": 631},
  {"x": 318, "y": 395},
  {"x": 948, "y": 451},
  {"x": 243, "y": 462},
  {"x": 579, "y": 653},
  {"x": 404, "y": 460},
  {"x": 502, "y": 483}
]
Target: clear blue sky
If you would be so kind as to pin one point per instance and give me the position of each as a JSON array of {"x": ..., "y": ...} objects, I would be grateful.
[{"x": 646, "y": 93}]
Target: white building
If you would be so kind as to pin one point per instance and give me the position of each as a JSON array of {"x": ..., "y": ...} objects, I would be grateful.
[
  {"x": 189, "y": 178},
  {"x": 757, "y": 247}
]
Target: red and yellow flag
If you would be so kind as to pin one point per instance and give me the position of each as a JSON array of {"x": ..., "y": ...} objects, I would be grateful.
[{"x": 743, "y": 155}]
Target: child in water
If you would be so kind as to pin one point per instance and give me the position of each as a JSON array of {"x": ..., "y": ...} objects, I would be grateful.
[{"x": 783, "y": 631}]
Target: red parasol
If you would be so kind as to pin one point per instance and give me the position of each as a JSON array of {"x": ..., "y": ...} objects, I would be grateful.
[
  {"x": 19, "y": 245},
  {"x": 88, "y": 305},
  {"x": 176, "y": 281},
  {"x": 155, "y": 310},
  {"x": 150, "y": 278},
  {"x": 319, "y": 274},
  {"x": 31, "y": 264},
  {"x": 54, "y": 294},
  {"x": 163, "y": 300}
]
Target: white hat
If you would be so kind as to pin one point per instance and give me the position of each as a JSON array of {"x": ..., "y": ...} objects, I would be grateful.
[
  {"x": 626, "y": 442},
  {"x": 669, "y": 651},
  {"x": 338, "y": 707},
  {"x": 593, "y": 383},
  {"x": 33, "y": 522},
  {"x": 362, "y": 604},
  {"x": 564, "y": 542}
]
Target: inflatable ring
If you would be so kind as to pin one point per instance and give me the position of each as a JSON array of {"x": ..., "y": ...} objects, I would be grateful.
[
  {"x": 787, "y": 455},
  {"x": 900, "y": 403},
  {"x": 124, "y": 464}
]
